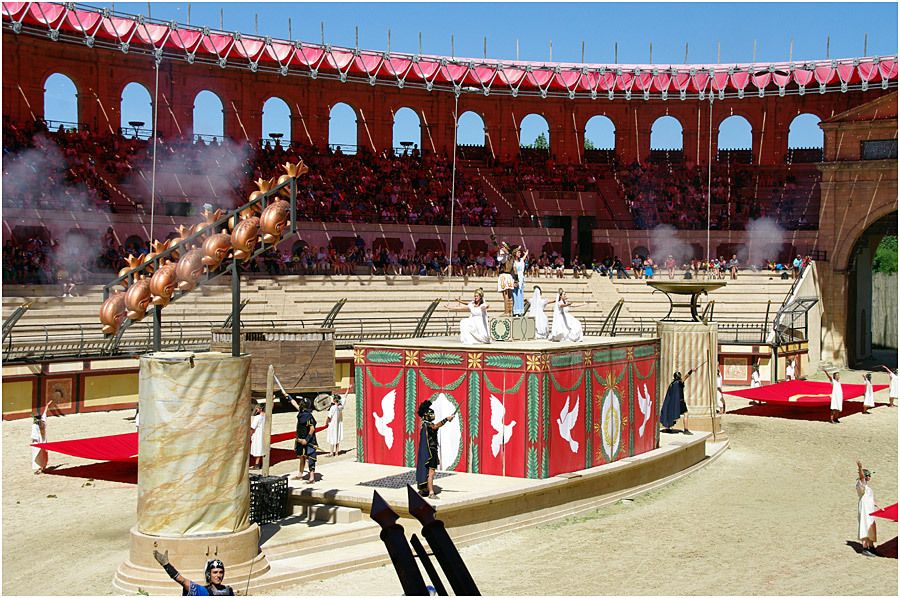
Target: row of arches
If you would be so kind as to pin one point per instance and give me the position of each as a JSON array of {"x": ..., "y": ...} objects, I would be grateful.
[{"x": 734, "y": 132}]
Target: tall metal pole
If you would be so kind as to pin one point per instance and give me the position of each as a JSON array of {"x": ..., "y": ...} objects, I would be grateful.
[
  {"x": 157, "y": 328},
  {"x": 709, "y": 179},
  {"x": 235, "y": 307},
  {"x": 453, "y": 186}
]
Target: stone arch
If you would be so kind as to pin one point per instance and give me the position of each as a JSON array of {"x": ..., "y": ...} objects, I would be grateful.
[
  {"x": 804, "y": 132},
  {"x": 60, "y": 99},
  {"x": 735, "y": 133},
  {"x": 209, "y": 115},
  {"x": 407, "y": 128},
  {"x": 667, "y": 133},
  {"x": 136, "y": 107},
  {"x": 470, "y": 129},
  {"x": 531, "y": 127},
  {"x": 600, "y": 131},
  {"x": 843, "y": 252},
  {"x": 276, "y": 118},
  {"x": 343, "y": 127}
]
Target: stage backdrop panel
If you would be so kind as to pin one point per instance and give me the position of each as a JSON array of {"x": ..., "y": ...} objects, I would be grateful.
[{"x": 527, "y": 413}]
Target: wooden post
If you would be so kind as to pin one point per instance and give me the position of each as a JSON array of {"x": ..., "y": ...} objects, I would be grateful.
[{"x": 267, "y": 425}]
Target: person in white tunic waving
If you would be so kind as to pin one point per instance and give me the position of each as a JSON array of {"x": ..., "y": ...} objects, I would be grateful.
[
  {"x": 894, "y": 391},
  {"x": 865, "y": 508},
  {"x": 837, "y": 397}
]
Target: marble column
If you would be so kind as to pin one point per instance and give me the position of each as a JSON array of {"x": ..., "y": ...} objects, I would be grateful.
[{"x": 685, "y": 346}]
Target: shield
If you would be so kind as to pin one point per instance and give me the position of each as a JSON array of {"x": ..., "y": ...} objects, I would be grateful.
[{"x": 322, "y": 402}]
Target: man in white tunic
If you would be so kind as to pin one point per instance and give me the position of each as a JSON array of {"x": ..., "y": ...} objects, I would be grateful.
[
  {"x": 837, "y": 397},
  {"x": 39, "y": 434},
  {"x": 257, "y": 425},
  {"x": 790, "y": 371},
  {"x": 865, "y": 508},
  {"x": 894, "y": 391},
  {"x": 869, "y": 395},
  {"x": 335, "y": 423}
]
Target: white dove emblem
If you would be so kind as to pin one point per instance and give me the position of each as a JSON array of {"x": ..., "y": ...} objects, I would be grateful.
[
  {"x": 503, "y": 432},
  {"x": 566, "y": 421},
  {"x": 644, "y": 402},
  {"x": 383, "y": 421}
]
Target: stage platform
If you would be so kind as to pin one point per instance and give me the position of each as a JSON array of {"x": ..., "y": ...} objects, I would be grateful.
[
  {"x": 528, "y": 409},
  {"x": 472, "y": 506}
]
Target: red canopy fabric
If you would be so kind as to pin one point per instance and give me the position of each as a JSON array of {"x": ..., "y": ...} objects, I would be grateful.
[
  {"x": 113, "y": 31},
  {"x": 887, "y": 513},
  {"x": 801, "y": 392},
  {"x": 119, "y": 447}
]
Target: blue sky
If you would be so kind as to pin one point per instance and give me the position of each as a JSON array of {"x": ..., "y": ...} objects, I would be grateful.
[{"x": 633, "y": 26}]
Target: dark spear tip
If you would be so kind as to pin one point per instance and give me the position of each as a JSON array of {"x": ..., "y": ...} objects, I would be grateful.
[
  {"x": 419, "y": 507},
  {"x": 382, "y": 512}
]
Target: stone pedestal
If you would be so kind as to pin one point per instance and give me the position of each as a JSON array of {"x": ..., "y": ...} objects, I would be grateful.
[
  {"x": 687, "y": 345},
  {"x": 193, "y": 481},
  {"x": 511, "y": 328}
]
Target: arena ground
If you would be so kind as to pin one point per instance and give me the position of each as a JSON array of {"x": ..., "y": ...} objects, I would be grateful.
[{"x": 776, "y": 514}]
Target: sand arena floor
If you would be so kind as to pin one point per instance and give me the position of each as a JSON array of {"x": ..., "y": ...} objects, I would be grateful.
[{"x": 773, "y": 515}]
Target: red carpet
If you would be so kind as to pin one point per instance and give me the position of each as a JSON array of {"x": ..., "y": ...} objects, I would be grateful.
[
  {"x": 887, "y": 513},
  {"x": 120, "y": 447},
  {"x": 801, "y": 392}
]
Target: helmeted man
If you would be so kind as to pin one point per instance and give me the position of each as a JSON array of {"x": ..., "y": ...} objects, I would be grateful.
[
  {"x": 674, "y": 405},
  {"x": 215, "y": 575},
  {"x": 427, "y": 455}
]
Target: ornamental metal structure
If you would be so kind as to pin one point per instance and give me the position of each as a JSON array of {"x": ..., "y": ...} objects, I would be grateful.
[{"x": 103, "y": 28}]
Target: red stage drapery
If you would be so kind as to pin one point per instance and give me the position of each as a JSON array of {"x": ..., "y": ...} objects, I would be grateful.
[
  {"x": 887, "y": 512},
  {"x": 801, "y": 392},
  {"x": 119, "y": 447}
]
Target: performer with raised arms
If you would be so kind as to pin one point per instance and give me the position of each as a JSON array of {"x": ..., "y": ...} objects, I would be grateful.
[
  {"x": 674, "y": 405},
  {"x": 474, "y": 329},
  {"x": 566, "y": 327},
  {"x": 518, "y": 295},
  {"x": 505, "y": 282}
]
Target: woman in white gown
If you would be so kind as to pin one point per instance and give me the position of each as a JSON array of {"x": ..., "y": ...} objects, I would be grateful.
[
  {"x": 474, "y": 329},
  {"x": 566, "y": 327},
  {"x": 39, "y": 434},
  {"x": 519, "y": 290},
  {"x": 536, "y": 311},
  {"x": 865, "y": 508},
  {"x": 837, "y": 397},
  {"x": 335, "y": 423}
]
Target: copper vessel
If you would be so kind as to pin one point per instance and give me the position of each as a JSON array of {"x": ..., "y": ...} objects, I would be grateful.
[
  {"x": 274, "y": 219},
  {"x": 112, "y": 313},
  {"x": 189, "y": 269},
  {"x": 137, "y": 300},
  {"x": 133, "y": 262},
  {"x": 292, "y": 171},
  {"x": 215, "y": 249},
  {"x": 162, "y": 284},
  {"x": 245, "y": 237},
  {"x": 263, "y": 185}
]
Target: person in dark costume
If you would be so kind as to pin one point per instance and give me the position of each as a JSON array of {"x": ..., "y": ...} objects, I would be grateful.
[
  {"x": 427, "y": 456},
  {"x": 674, "y": 406},
  {"x": 215, "y": 575},
  {"x": 305, "y": 445}
]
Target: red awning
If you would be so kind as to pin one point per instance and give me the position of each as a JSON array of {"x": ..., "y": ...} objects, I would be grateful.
[
  {"x": 119, "y": 447},
  {"x": 801, "y": 392},
  {"x": 193, "y": 43}
]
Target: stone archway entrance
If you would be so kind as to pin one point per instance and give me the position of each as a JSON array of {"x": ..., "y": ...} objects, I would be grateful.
[{"x": 860, "y": 306}]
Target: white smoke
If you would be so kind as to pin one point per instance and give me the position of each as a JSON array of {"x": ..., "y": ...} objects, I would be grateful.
[
  {"x": 39, "y": 171},
  {"x": 665, "y": 242},
  {"x": 764, "y": 241}
]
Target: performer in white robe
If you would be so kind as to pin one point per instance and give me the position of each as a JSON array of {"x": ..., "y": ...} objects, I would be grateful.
[
  {"x": 755, "y": 378},
  {"x": 720, "y": 396},
  {"x": 474, "y": 329},
  {"x": 790, "y": 371},
  {"x": 837, "y": 397},
  {"x": 257, "y": 427},
  {"x": 519, "y": 275},
  {"x": 866, "y": 506},
  {"x": 565, "y": 327},
  {"x": 894, "y": 391},
  {"x": 869, "y": 395},
  {"x": 335, "y": 423},
  {"x": 39, "y": 434},
  {"x": 536, "y": 311}
]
